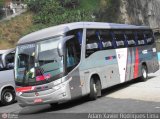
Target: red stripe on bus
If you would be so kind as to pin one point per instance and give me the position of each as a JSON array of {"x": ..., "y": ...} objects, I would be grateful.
[
  {"x": 24, "y": 89},
  {"x": 136, "y": 67}
]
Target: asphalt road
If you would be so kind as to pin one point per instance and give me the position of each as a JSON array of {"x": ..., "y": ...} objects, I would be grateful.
[{"x": 130, "y": 97}]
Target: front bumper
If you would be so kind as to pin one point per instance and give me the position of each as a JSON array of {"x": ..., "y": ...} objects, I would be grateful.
[{"x": 58, "y": 94}]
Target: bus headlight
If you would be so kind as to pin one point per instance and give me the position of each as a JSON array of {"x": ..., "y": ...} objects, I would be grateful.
[
  {"x": 56, "y": 87},
  {"x": 56, "y": 82}
]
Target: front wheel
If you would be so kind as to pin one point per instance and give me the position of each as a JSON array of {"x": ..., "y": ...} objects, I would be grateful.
[
  {"x": 7, "y": 97},
  {"x": 144, "y": 72},
  {"x": 95, "y": 89},
  {"x": 54, "y": 105}
]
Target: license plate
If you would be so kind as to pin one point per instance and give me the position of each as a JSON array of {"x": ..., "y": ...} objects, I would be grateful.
[{"x": 38, "y": 100}]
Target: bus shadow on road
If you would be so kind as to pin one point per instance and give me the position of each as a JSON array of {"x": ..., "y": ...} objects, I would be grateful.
[
  {"x": 59, "y": 107},
  {"x": 80, "y": 101},
  {"x": 1, "y": 105}
]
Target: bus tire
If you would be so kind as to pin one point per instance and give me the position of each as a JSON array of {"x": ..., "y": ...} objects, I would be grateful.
[
  {"x": 54, "y": 105},
  {"x": 95, "y": 89},
  {"x": 144, "y": 72},
  {"x": 7, "y": 97}
]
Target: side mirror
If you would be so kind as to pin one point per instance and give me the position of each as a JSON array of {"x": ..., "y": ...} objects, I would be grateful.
[
  {"x": 1, "y": 67},
  {"x": 61, "y": 45},
  {"x": 10, "y": 65},
  {"x": 60, "y": 49}
]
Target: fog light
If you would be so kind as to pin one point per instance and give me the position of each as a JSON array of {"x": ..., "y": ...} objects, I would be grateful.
[{"x": 18, "y": 93}]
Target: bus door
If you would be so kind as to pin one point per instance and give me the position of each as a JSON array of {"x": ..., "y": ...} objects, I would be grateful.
[{"x": 73, "y": 55}]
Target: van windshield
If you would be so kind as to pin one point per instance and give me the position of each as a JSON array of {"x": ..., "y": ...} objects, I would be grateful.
[{"x": 1, "y": 66}]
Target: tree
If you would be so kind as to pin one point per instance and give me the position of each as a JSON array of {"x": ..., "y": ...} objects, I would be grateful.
[
  {"x": 52, "y": 12},
  {"x": 1, "y": 8}
]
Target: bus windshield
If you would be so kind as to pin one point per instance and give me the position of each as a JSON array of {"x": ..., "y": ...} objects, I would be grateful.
[{"x": 38, "y": 63}]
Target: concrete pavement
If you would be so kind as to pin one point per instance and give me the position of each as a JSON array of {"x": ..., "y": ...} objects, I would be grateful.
[
  {"x": 145, "y": 91},
  {"x": 130, "y": 97}
]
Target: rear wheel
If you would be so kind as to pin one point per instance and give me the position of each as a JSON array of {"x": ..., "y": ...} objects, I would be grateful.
[
  {"x": 95, "y": 89},
  {"x": 8, "y": 96},
  {"x": 144, "y": 72}
]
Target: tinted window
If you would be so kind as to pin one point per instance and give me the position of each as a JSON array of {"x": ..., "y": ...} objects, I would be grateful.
[
  {"x": 73, "y": 53},
  {"x": 106, "y": 39},
  {"x": 1, "y": 65},
  {"x": 120, "y": 39},
  {"x": 140, "y": 38},
  {"x": 149, "y": 37},
  {"x": 92, "y": 42},
  {"x": 10, "y": 61},
  {"x": 130, "y": 38}
]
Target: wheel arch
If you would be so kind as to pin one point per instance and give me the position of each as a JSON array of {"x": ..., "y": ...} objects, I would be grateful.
[
  {"x": 95, "y": 76},
  {"x": 144, "y": 64},
  {"x": 6, "y": 87}
]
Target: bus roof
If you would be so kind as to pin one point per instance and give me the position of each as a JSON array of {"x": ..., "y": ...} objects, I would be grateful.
[
  {"x": 61, "y": 29},
  {"x": 3, "y": 51},
  {"x": 6, "y": 51}
]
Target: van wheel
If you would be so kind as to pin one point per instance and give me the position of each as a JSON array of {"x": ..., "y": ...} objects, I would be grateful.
[
  {"x": 7, "y": 97},
  {"x": 144, "y": 72},
  {"x": 95, "y": 89}
]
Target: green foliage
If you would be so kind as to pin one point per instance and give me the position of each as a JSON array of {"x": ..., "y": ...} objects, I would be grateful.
[
  {"x": 1, "y": 6},
  {"x": 53, "y": 12},
  {"x": 46, "y": 13},
  {"x": 70, "y": 3}
]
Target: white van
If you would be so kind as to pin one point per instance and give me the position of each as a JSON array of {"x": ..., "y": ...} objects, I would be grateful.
[{"x": 7, "y": 85}]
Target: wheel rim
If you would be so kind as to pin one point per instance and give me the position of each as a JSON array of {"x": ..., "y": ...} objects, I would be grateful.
[
  {"x": 8, "y": 97},
  {"x": 94, "y": 88},
  {"x": 144, "y": 73}
]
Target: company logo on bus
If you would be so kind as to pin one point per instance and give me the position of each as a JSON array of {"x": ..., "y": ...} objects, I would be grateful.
[
  {"x": 110, "y": 57},
  {"x": 43, "y": 77}
]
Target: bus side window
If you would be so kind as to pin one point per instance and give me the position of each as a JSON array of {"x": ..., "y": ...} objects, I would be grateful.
[
  {"x": 73, "y": 53},
  {"x": 106, "y": 39},
  {"x": 92, "y": 42},
  {"x": 10, "y": 61},
  {"x": 149, "y": 37},
  {"x": 120, "y": 39},
  {"x": 130, "y": 39},
  {"x": 141, "y": 40}
]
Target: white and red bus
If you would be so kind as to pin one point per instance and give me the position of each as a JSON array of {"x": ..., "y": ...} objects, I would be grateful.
[{"x": 68, "y": 61}]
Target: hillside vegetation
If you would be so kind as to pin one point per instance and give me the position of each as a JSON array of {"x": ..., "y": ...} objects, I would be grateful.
[
  {"x": 11, "y": 31},
  {"x": 45, "y": 13}
]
